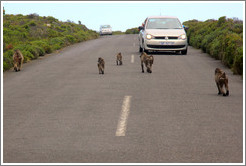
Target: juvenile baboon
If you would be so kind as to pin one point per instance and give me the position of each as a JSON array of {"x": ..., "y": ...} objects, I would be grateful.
[
  {"x": 119, "y": 59},
  {"x": 100, "y": 65},
  {"x": 221, "y": 80},
  {"x": 18, "y": 60},
  {"x": 148, "y": 61}
]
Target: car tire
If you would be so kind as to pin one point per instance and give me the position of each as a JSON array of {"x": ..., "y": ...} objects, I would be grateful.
[
  {"x": 146, "y": 51},
  {"x": 184, "y": 52},
  {"x": 140, "y": 49}
]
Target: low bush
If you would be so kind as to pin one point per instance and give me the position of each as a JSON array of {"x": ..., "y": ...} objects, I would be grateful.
[
  {"x": 222, "y": 39},
  {"x": 132, "y": 31},
  {"x": 36, "y": 36}
]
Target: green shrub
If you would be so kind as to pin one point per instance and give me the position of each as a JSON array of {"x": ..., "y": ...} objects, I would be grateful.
[
  {"x": 117, "y": 33},
  {"x": 214, "y": 49},
  {"x": 231, "y": 43},
  {"x": 132, "y": 31},
  {"x": 7, "y": 60},
  {"x": 32, "y": 23},
  {"x": 33, "y": 51},
  {"x": 34, "y": 38},
  {"x": 27, "y": 55},
  {"x": 220, "y": 38},
  {"x": 238, "y": 61},
  {"x": 40, "y": 50},
  {"x": 43, "y": 44},
  {"x": 58, "y": 41},
  {"x": 70, "y": 39}
]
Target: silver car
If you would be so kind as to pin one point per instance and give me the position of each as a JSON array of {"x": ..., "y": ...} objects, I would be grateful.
[
  {"x": 105, "y": 30},
  {"x": 162, "y": 33}
]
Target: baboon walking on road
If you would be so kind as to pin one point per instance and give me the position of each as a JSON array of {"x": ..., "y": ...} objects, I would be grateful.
[
  {"x": 119, "y": 59},
  {"x": 148, "y": 61},
  {"x": 221, "y": 80},
  {"x": 100, "y": 65},
  {"x": 18, "y": 60}
]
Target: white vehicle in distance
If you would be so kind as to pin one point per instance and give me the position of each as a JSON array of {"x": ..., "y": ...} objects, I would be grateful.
[
  {"x": 162, "y": 33},
  {"x": 105, "y": 30}
]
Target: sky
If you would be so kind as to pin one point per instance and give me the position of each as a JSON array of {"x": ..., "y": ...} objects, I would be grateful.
[{"x": 123, "y": 15}]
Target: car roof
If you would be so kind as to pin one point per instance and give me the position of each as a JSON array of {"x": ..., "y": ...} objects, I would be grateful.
[
  {"x": 161, "y": 17},
  {"x": 105, "y": 25}
]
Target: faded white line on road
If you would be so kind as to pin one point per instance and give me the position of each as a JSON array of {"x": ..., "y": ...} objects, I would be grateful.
[
  {"x": 134, "y": 44},
  {"x": 132, "y": 59},
  {"x": 122, "y": 123}
]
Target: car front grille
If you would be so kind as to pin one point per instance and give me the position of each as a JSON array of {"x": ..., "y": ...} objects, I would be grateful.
[
  {"x": 166, "y": 37},
  {"x": 165, "y": 46}
]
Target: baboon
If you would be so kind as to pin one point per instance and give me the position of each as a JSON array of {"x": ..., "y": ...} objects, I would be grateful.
[
  {"x": 119, "y": 59},
  {"x": 100, "y": 65},
  {"x": 221, "y": 80},
  {"x": 18, "y": 60},
  {"x": 148, "y": 61}
]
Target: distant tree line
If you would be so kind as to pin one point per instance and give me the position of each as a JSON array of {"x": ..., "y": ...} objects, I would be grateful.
[
  {"x": 132, "y": 31},
  {"x": 128, "y": 31}
]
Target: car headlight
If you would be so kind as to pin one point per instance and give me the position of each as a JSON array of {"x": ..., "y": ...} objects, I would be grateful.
[
  {"x": 148, "y": 36},
  {"x": 183, "y": 37}
]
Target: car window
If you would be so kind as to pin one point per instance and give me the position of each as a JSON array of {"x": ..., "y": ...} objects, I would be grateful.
[
  {"x": 106, "y": 26},
  {"x": 163, "y": 23}
]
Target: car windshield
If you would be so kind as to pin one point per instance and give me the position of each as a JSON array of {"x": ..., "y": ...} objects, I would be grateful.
[
  {"x": 163, "y": 23},
  {"x": 106, "y": 26}
]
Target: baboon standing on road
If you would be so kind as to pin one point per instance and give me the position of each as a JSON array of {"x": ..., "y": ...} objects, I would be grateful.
[
  {"x": 148, "y": 61},
  {"x": 100, "y": 65},
  {"x": 18, "y": 60},
  {"x": 119, "y": 59},
  {"x": 221, "y": 80}
]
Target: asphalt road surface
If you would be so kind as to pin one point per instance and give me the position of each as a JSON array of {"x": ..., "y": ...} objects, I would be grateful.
[{"x": 58, "y": 109}]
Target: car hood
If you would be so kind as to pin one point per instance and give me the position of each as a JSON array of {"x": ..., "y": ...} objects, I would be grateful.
[
  {"x": 108, "y": 29},
  {"x": 165, "y": 32}
]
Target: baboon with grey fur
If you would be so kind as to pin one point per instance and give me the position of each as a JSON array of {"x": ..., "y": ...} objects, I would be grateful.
[
  {"x": 221, "y": 80},
  {"x": 119, "y": 59},
  {"x": 101, "y": 65},
  {"x": 148, "y": 61},
  {"x": 18, "y": 60}
]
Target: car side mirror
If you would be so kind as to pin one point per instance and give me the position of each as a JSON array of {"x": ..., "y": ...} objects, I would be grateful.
[{"x": 140, "y": 28}]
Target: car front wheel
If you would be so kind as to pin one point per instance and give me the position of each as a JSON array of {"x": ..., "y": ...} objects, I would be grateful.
[
  {"x": 184, "y": 52},
  {"x": 140, "y": 49},
  {"x": 146, "y": 51}
]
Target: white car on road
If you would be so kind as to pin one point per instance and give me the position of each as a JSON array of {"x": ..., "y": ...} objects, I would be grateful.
[
  {"x": 162, "y": 33},
  {"x": 105, "y": 30}
]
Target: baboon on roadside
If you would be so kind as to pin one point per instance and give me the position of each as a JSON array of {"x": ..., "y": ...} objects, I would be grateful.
[
  {"x": 221, "y": 79},
  {"x": 119, "y": 59},
  {"x": 18, "y": 60},
  {"x": 148, "y": 61},
  {"x": 100, "y": 65}
]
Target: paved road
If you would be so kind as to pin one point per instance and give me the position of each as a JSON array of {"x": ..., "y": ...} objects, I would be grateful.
[{"x": 58, "y": 109}]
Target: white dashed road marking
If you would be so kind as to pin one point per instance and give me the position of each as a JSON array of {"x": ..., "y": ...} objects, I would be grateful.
[
  {"x": 122, "y": 123},
  {"x": 132, "y": 59}
]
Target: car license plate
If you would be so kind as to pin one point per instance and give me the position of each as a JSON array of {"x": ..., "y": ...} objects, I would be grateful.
[{"x": 166, "y": 43}]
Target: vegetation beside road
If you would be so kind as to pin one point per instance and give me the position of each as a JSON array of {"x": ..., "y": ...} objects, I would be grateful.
[
  {"x": 118, "y": 33},
  {"x": 132, "y": 31},
  {"x": 222, "y": 39},
  {"x": 36, "y": 36}
]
